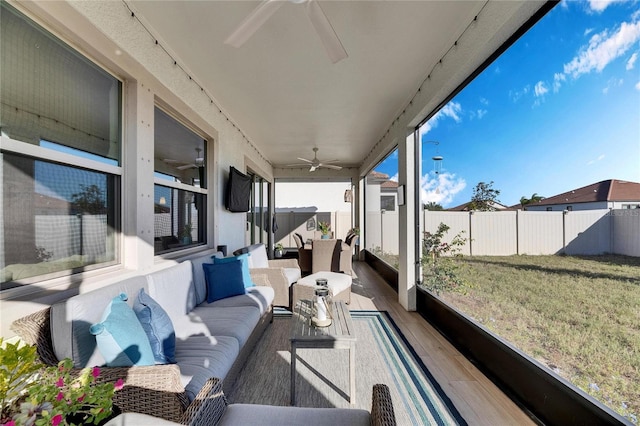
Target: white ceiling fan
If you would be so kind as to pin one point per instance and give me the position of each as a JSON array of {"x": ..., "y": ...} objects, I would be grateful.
[
  {"x": 315, "y": 163},
  {"x": 198, "y": 162},
  {"x": 267, "y": 8}
]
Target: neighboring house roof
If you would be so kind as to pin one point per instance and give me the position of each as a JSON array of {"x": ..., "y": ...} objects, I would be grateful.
[
  {"x": 465, "y": 207},
  {"x": 607, "y": 190},
  {"x": 389, "y": 186}
]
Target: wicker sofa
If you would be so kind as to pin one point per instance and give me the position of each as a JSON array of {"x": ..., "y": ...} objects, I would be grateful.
[
  {"x": 212, "y": 339},
  {"x": 215, "y": 411}
]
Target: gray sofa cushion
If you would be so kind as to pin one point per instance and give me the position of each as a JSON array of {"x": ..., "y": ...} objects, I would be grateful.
[
  {"x": 237, "y": 322},
  {"x": 202, "y": 357},
  {"x": 260, "y": 297},
  {"x": 173, "y": 289},
  {"x": 71, "y": 319},
  {"x": 253, "y": 414}
]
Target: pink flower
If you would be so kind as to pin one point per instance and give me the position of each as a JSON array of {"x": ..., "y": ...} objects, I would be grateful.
[
  {"x": 119, "y": 384},
  {"x": 60, "y": 396},
  {"x": 95, "y": 372},
  {"x": 56, "y": 420},
  {"x": 10, "y": 423},
  {"x": 82, "y": 398},
  {"x": 60, "y": 382}
]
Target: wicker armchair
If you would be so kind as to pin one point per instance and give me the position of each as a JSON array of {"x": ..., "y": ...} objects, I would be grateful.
[
  {"x": 210, "y": 410},
  {"x": 279, "y": 274}
]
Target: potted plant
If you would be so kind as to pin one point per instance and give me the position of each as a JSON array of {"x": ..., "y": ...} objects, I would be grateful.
[
  {"x": 324, "y": 228},
  {"x": 33, "y": 394},
  {"x": 186, "y": 234},
  {"x": 279, "y": 250}
]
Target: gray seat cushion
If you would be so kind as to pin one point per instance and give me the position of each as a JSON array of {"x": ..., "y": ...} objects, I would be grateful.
[
  {"x": 253, "y": 414},
  {"x": 202, "y": 357},
  {"x": 260, "y": 297},
  {"x": 237, "y": 322}
]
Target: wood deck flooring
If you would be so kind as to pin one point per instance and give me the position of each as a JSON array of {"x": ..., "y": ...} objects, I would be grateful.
[{"x": 477, "y": 399}]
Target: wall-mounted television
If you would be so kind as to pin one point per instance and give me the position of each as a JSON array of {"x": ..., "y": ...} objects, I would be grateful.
[{"x": 238, "y": 191}]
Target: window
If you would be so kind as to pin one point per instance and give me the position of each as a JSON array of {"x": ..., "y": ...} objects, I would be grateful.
[
  {"x": 60, "y": 156},
  {"x": 381, "y": 220},
  {"x": 259, "y": 217},
  {"x": 180, "y": 195},
  {"x": 388, "y": 203}
]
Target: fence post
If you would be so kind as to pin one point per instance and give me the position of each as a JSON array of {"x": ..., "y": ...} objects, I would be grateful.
[
  {"x": 470, "y": 236},
  {"x": 517, "y": 232},
  {"x": 564, "y": 231}
]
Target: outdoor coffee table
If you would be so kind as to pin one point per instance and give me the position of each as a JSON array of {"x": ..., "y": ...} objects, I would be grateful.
[{"x": 339, "y": 335}]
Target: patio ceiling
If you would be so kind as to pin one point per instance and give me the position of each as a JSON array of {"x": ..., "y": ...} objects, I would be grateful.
[{"x": 285, "y": 94}]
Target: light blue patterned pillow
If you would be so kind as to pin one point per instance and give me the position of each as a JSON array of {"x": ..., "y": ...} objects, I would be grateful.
[
  {"x": 158, "y": 326},
  {"x": 119, "y": 336}
]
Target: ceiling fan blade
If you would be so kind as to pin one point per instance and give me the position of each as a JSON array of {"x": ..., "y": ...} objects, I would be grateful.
[
  {"x": 330, "y": 166},
  {"x": 171, "y": 160},
  {"x": 304, "y": 159},
  {"x": 297, "y": 165},
  {"x": 325, "y": 31},
  {"x": 253, "y": 22},
  {"x": 186, "y": 166},
  {"x": 312, "y": 169}
]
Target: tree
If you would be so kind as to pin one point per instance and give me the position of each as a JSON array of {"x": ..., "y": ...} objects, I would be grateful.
[
  {"x": 432, "y": 206},
  {"x": 535, "y": 198},
  {"x": 484, "y": 197},
  {"x": 89, "y": 200}
]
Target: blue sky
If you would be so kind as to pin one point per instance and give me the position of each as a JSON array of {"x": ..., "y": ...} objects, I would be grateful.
[{"x": 559, "y": 110}]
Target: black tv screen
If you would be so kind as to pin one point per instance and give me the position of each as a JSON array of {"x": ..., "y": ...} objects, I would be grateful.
[{"x": 238, "y": 191}]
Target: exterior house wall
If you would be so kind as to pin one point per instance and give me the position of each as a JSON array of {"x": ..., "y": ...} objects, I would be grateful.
[{"x": 106, "y": 33}]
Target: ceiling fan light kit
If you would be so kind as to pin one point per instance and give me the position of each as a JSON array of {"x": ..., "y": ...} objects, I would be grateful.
[{"x": 318, "y": 18}]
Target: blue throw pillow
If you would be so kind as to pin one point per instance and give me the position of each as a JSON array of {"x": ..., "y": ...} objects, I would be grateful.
[
  {"x": 223, "y": 280},
  {"x": 244, "y": 258},
  {"x": 158, "y": 326},
  {"x": 119, "y": 336}
]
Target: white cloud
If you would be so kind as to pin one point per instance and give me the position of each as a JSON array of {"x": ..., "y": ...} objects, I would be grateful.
[
  {"x": 600, "y": 158},
  {"x": 440, "y": 188},
  {"x": 637, "y": 86},
  {"x": 481, "y": 113},
  {"x": 516, "y": 95},
  {"x": 600, "y": 5},
  {"x": 632, "y": 61},
  {"x": 588, "y": 31},
  {"x": 484, "y": 101},
  {"x": 614, "y": 82},
  {"x": 450, "y": 110},
  {"x": 394, "y": 177},
  {"x": 558, "y": 79},
  {"x": 540, "y": 89},
  {"x": 602, "y": 49}
]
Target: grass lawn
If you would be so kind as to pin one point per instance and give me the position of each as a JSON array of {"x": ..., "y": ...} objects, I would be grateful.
[{"x": 580, "y": 316}]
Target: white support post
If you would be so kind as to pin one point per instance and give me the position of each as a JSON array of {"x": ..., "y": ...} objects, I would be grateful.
[
  {"x": 407, "y": 223},
  {"x": 138, "y": 160}
]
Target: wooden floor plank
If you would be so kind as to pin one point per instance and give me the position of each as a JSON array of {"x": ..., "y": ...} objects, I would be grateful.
[{"x": 477, "y": 399}]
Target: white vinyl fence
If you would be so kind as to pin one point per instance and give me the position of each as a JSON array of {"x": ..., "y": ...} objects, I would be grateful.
[{"x": 587, "y": 232}]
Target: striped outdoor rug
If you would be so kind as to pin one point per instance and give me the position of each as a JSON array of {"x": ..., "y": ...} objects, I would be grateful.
[{"x": 382, "y": 356}]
